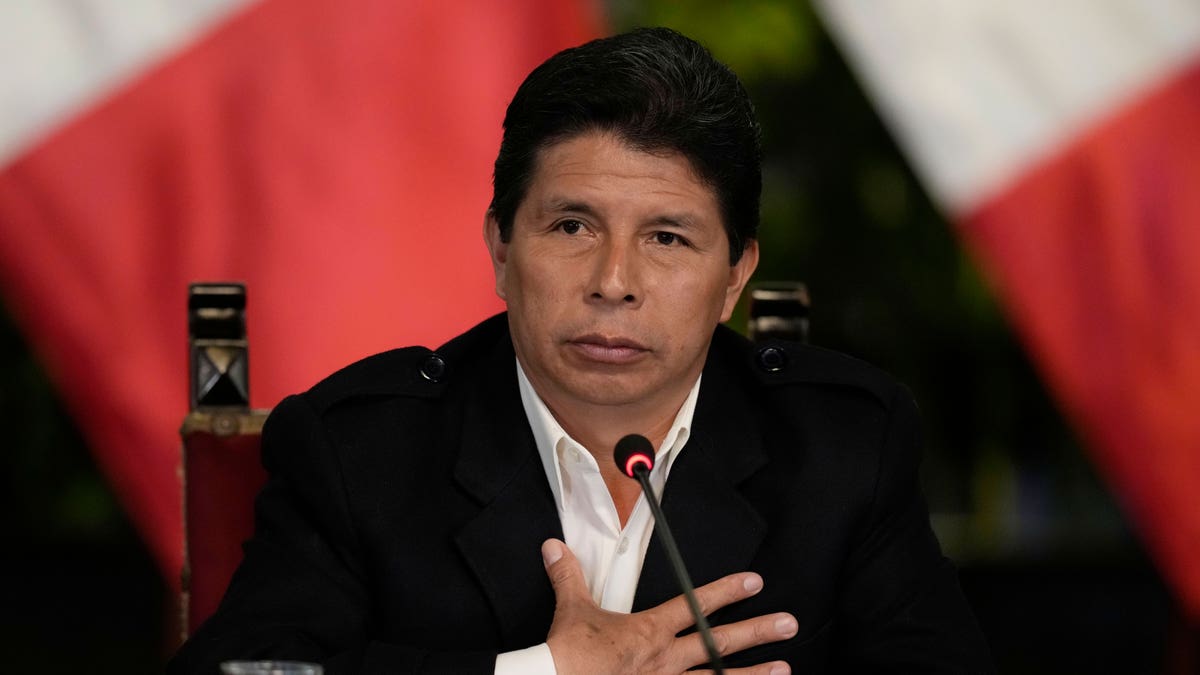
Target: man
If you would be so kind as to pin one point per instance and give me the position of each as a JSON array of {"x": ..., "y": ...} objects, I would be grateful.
[{"x": 418, "y": 503}]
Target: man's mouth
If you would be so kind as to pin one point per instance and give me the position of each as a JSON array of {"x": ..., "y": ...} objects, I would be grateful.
[{"x": 608, "y": 350}]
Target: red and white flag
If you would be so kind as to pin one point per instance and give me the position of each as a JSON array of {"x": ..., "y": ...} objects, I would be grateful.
[
  {"x": 334, "y": 155},
  {"x": 1063, "y": 138}
]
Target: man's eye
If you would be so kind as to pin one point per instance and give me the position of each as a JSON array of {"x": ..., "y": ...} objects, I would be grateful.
[
  {"x": 668, "y": 238},
  {"x": 570, "y": 226}
]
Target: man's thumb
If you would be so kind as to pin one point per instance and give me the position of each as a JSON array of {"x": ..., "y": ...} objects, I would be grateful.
[{"x": 563, "y": 569}]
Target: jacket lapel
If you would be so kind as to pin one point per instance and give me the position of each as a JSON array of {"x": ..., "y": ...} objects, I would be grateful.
[
  {"x": 717, "y": 530},
  {"x": 499, "y": 466}
]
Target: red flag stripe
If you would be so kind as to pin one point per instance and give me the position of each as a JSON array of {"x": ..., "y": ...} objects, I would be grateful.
[{"x": 1103, "y": 286}]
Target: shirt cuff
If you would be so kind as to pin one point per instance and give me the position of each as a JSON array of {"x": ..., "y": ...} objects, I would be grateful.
[{"x": 535, "y": 660}]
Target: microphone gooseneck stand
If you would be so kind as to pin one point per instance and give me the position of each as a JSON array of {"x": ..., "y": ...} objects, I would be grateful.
[{"x": 635, "y": 457}]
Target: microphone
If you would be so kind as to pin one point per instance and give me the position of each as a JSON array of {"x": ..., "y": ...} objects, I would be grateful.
[{"x": 635, "y": 457}]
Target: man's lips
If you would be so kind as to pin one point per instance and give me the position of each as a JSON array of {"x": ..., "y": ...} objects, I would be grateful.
[{"x": 609, "y": 350}]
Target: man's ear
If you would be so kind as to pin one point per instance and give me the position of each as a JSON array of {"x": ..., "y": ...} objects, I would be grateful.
[
  {"x": 739, "y": 275},
  {"x": 497, "y": 249}
]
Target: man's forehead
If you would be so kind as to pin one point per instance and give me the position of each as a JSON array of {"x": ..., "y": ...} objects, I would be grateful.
[
  {"x": 553, "y": 148},
  {"x": 558, "y": 161}
]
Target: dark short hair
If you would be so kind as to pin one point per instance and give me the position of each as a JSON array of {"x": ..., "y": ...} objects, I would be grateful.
[{"x": 658, "y": 91}]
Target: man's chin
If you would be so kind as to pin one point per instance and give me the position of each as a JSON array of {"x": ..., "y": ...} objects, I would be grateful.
[{"x": 614, "y": 391}]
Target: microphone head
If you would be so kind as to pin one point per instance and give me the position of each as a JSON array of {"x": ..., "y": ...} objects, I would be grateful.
[{"x": 633, "y": 451}]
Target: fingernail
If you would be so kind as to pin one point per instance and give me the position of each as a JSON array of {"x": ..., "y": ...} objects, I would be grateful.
[
  {"x": 780, "y": 669},
  {"x": 752, "y": 583},
  {"x": 551, "y": 552},
  {"x": 785, "y": 626}
]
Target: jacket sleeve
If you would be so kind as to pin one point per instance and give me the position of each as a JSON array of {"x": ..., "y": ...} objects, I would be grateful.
[
  {"x": 903, "y": 610},
  {"x": 300, "y": 592}
]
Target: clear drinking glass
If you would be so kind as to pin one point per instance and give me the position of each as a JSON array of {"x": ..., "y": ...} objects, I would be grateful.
[{"x": 270, "y": 668}]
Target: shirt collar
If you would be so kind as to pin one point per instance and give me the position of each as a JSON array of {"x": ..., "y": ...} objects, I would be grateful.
[{"x": 550, "y": 437}]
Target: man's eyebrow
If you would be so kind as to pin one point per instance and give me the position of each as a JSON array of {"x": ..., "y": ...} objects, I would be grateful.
[
  {"x": 563, "y": 205},
  {"x": 683, "y": 221}
]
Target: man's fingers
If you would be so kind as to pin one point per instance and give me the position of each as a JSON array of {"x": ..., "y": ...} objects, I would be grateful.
[
  {"x": 712, "y": 596},
  {"x": 760, "y": 630},
  {"x": 734, "y": 637},
  {"x": 566, "y": 576},
  {"x": 583, "y": 636}
]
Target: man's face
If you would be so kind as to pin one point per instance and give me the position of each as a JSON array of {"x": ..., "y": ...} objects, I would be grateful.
[{"x": 616, "y": 274}]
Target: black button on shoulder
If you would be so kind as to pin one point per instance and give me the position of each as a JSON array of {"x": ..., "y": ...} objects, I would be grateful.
[
  {"x": 433, "y": 368},
  {"x": 772, "y": 359}
]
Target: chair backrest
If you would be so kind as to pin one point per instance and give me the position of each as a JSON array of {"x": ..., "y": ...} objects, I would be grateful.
[
  {"x": 221, "y": 475},
  {"x": 221, "y": 437}
]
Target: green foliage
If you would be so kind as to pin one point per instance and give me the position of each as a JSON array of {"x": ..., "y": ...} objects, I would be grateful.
[
  {"x": 51, "y": 489},
  {"x": 759, "y": 39}
]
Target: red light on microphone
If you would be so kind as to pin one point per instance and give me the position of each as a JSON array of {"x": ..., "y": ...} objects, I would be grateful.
[
  {"x": 633, "y": 451},
  {"x": 634, "y": 460}
]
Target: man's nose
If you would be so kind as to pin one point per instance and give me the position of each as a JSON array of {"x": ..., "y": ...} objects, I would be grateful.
[{"x": 616, "y": 277}]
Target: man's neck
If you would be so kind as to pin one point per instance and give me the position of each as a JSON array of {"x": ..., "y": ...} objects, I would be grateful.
[
  {"x": 598, "y": 428},
  {"x": 598, "y": 431}
]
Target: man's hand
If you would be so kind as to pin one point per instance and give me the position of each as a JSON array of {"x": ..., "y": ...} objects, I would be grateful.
[{"x": 587, "y": 639}]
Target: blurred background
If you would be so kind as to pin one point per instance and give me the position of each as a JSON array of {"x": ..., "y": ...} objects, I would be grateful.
[{"x": 1051, "y": 557}]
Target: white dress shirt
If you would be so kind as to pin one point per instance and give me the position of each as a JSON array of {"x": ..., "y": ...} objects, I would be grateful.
[{"x": 611, "y": 556}]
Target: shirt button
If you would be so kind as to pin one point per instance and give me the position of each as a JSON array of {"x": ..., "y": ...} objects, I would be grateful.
[{"x": 623, "y": 546}]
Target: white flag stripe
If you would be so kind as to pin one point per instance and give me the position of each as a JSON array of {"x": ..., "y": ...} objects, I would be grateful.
[
  {"x": 978, "y": 90},
  {"x": 58, "y": 57}
]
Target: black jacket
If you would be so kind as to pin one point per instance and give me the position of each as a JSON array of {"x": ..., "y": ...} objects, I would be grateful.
[{"x": 400, "y": 529}]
